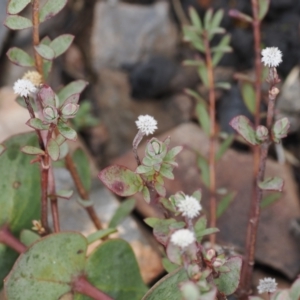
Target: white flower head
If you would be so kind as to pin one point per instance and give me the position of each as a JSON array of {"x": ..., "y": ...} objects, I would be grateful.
[
  {"x": 267, "y": 285},
  {"x": 271, "y": 56},
  {"x": 24, "y": 87},
  {"x": 146, "y": 124},
  {"x": 189, "y": 207},
  {"x": 183, "y": 238}
]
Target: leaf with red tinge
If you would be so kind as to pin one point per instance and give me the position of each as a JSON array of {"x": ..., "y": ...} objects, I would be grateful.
[
  {"x": 121, "y": 180},
  {"x": 16, "y": 6},
  {"x": 17, "y": 22},
  {"x": 61, "y": 44},
  {"x": 20, "y": 57},
  {"x": 272, "y": 184},
  {"x": 50, "y": 9},
  {"x": 31, "y": 150},
  {"x": 244, "y": 127},
  {"x": 53, "y": 149}
]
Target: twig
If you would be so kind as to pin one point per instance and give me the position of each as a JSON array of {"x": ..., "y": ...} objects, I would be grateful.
[
  {"x": 82, "y": 191},
  {"x": 82, "y": 286},
  {"x": 7, "y": 238},
  {"x": 212, "y": 139},
  {"x": 53, "y": 199}
]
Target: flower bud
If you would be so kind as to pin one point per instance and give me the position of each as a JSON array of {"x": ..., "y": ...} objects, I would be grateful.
[
  {"x": 262, "y": 133},
  {"x": 50, "y": 113},
  {"x": 210, "y": 254},
  {"x": 69, "y": 110}
]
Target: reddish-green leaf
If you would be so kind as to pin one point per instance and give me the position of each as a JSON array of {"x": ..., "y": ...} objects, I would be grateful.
[
  {"x": 244, "y": 127},
  {"x": 17, "y": 22},
  {"x": 32, "y": 150},
  {"x": 20, "y": 57},
  {"x": 38, "y": 124},
  {"x": 75, "y": 87},
  {"x": 51, "y": 8},
  {"x": 53, "y": 149},
  {"x": 121, "y": 180},
  {"x": 16, "y": 6},
  {"x": 61, "y": 44},
  {"x": 68, "y": 132},
  {"x": 125, "y": 208},
  {"x": 45, "y": 51},
  {"x": 248, "y": 94},
  {"x": 263, "y": 7}
]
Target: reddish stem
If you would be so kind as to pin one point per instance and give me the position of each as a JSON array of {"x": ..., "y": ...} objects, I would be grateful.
[
  {"x": 7, "y": 238},
  {"x": 54, "y": 206},
  {"x": 36, "y": 35},
  {"x": 212, "y": 139},
  {"x": 82, "y": 191},
  {"x": 82, "y": 286}
]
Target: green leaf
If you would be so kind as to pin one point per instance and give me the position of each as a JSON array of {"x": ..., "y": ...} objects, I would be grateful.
[
  {"x": 199, "y": 227},
  {"x": 7, "y": 259},
  {"x": 224, "y": 146},
  {"x": 272, "y": 184},
  {"x": 263, "y": 7},
  {"x": 122, "y": 212},
  {"x": 244, "y": 127},
  {"x": 168, "y": 266},
  {"x": 269, "y": 199},
  {"x": 38, "y": 124},
  {"x": 20, "y": 57},
  {"x": 217, "y": 56},
  {"x": 2, "y": 149},
  {"x": 167, "y": 287},
  {"x": 122, "y": 279},
  {"x": 47, "y": 268},
  {"x": 28, "y": 237},
  {"x": 16, "y": 6},
  {"x": 47, "y": 67},
  {"x": 224, "y": 203},
  {"x": 202, "y": 72},
  {"x": 61, "y": 44},
  {"x": 190, "y": 35},
  {"x": 146, "y": 194},
  {"x": 248, "y": 95},
  {"x": 75, "y": 87},
  {"x": 17, "y": 22},
  {"x": 121, "y": 180},
  {"x": 83, "y": 168},
  {"x": 100, "y": 234},
  {"x": 280, "y": 129},
  {"x": 65, "y": 194},
  {"x": 65, "y": 130},
  {"x": 160, "y": 189},
  {"x": 204, "y": 168},
  {"x": 50, "y": 9},
  {"x": 208, "y": 18},
  {"x": 53, "y": 149},
  {"x": 196, "y": 21},
  {"x": 45, "y": 51},
  {"x": 295, "y": 290},
  {"x": 166, "y": 171},
  {"x": 21, "y": 178},
  {"x": 216, "y": 20},
  {"x": 223, "y": 85},
  {"x": 32, "y": 150},
  {"x": 227, "y": 283},
  {"x": 203, "y": 116},
  {"x": 143, "y": 169}
]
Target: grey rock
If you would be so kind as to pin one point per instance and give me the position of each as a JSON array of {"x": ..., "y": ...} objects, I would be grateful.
[{"x": 125, "y": 33}]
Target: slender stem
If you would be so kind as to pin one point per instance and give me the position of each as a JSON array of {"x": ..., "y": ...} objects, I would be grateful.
[
  {"x": 82, "y": 191},
  {"x": 36, "y": 35},
  {"x": 7, "y": 238},
  {"x": 53, "y": 199},
  {"x": 255, "y": 212},
  {"x": 44, "y": 202},
  {"x": 212, "y": 139},
  {"x": 82, "y": 286}
]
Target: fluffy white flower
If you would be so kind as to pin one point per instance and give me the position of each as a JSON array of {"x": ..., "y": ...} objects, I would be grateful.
[
  {"x": 267, "y": 285},
  {"x": 183, "y": 238},
  {"x": 189, "y": 207},
  {"x": 271, "y": 56},
  {"x": 146, "y": 124},
  {"x": 24, "y": 87}
]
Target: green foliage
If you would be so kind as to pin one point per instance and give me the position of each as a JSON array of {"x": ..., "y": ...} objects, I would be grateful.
[
  {"x": 61, "y": 44},
  {"x": 75, "y": 87},
  {"x": 244, "y": 127},
  {"x": 272, "y": 184},
  {"x": 280, "y": 129},
  {"x": 17, "y": 22},
  {"x": 20, "y": 57},
  {"x": 50, "y": 9},
  {"x": 224, "y": 203},
  {"x": 121, "y": 180},
  {"x": 16, "y": 6},
  {"x": 28, "y": 237},
  {"x": 201, "y": 230},
  {"x": 269, "y": 199},
  {"x": 125, "y": 208},
  {"x": 45, "y": 51},
  {"x": 100, "y": 234},
  {"x": 263, "y": 7},
  {"x": 248, "y": 94},
  {"x": 113, "y": 269},
  {"x": 224, "y": 146}
]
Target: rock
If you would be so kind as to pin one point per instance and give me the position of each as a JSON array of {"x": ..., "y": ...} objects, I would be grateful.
[
  {"x": 234, "y": 172},
  {"x": 12, "y": 116},
  {"x": 287, "y": 103},
  {"x": 125, "y": 33},
  {"x": 118, "y": 113}
]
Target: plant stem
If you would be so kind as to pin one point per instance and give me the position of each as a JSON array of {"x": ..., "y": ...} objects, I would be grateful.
[
  {"x": 82, "y": 286},
  {"x": 54, "y": 206},
  {"x": 36, "y": 35},
  {"x": 7, "y": 238},
  {"x": 255, "y": 212},
  {"x": 82, "y": 191},
  {"x": 212, "y": 139}
]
